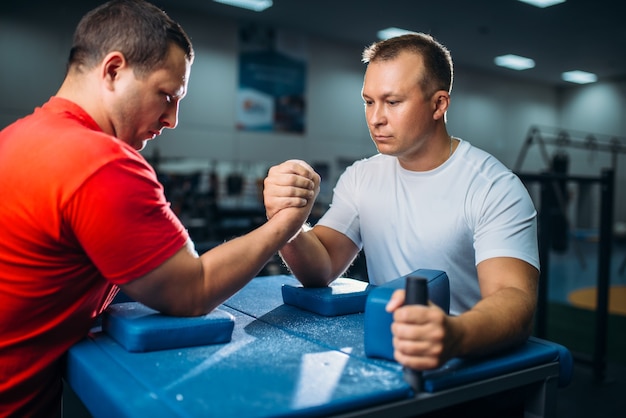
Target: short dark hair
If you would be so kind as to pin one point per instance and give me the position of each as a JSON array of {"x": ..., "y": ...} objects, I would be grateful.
[
  {"x": 439, "y": 72},
  {"x": 136, "y": 28}
]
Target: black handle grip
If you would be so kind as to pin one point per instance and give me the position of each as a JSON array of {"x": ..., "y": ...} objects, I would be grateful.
[
  {"x": 416, "y": 291},
  {"x": 416, "y": 294}
]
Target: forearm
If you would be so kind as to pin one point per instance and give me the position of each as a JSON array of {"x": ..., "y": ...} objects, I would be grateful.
[
  {"x": 499, "y": 321},
  {"x": 187, "y": 285},
  {"x": 229, "y": 266},
  {"x": 308, "y": 259}
]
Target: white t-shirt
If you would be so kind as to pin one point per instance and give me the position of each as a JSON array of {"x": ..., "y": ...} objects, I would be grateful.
[{"x": 467, "y": 210}]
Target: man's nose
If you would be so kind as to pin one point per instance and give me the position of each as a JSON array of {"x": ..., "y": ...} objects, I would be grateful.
[
  {"x": 376, "y": 115},
  {"x": 169, "y": 119}
]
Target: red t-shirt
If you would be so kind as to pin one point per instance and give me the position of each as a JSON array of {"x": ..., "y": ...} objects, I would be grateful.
[{"x": 80, "y": 212}]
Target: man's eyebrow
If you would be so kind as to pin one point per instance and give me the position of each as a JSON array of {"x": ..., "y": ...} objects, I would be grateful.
[{"x": 383, "y": 96}]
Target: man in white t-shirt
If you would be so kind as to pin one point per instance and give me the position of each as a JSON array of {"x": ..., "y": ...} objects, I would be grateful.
[{"x": 427, "y": 200}]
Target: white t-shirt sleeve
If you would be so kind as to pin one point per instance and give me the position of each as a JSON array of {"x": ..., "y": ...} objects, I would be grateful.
[{"x": 507, "y": 227}]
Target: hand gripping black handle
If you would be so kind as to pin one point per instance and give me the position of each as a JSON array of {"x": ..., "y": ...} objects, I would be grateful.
[{"x": 416, "y": 294}]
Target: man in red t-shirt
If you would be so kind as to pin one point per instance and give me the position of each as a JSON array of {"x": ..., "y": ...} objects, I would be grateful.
[{"x": 82, "y": 213}]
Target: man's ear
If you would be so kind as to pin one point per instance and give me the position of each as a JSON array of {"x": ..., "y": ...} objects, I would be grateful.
[
  {"x": 441, "y": 101},
  {"x": 111, "y": 66}
]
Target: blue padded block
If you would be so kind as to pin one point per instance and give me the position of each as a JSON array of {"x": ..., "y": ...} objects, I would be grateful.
[
  {"x": 342, "y": 297},
  {"x": 139, "y": 328},
  {"x": 377, "y": 321},
  {"x": 534, "y": 352},
  {"x": 566, "y": 361}
]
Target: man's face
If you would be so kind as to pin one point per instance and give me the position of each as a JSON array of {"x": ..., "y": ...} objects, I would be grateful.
[
  {"x": 146, "y": 105},
  {"x": 399, "y": 117}
]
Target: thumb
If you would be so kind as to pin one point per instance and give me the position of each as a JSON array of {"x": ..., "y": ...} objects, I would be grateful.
[{"x": 397, "y": 300}]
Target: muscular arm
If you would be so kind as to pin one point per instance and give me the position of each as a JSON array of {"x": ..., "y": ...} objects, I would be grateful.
[
  {"x": 319, "y": 256},
  {"x": 316, "y": 256},
  {"x": 189, "y": 285},
  {"x": 424, "y": 337},
  {"x": 503, "y": 317}
]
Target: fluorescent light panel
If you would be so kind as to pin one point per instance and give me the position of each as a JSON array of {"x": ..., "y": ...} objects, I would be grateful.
[
  {"x": 579, "y": 77},
  {"x": 514, "y": 62},
  {"x": 542, "y": 3},
  {"x": 392, "y": 32},
  {"x": 256, "y": 5}
]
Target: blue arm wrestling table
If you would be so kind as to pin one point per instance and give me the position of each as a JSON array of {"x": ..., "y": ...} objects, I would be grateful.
[{"x": 287, "y": 361}]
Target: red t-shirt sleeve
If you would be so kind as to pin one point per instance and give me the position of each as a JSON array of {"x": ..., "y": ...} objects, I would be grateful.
[{"x": 120, "y": 217}]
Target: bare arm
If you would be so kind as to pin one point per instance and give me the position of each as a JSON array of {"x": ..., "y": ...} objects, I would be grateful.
[
  {"x": 188, "y": 285},
  {"x": 319, "y": 256},
  {"x": 424, "y": 337}
]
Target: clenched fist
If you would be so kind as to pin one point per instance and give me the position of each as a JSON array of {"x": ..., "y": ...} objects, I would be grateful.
[{"x": 292, "y": 184}]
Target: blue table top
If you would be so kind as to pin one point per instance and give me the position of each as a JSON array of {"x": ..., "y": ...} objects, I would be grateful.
[
  {"x": 267, "y": 369},
  {"x": 262, "y": 299},
  {"x": 281, "y": 361}
]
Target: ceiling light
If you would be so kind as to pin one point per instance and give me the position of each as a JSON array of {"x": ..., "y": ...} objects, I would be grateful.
[
  {"x": 542, "y": 3},
  {"x": 579, "y": 77},
  {"x": 514, "y": 62},
  {"x": 392, "y": 32},
  {"x": 256, "y": 5}
]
